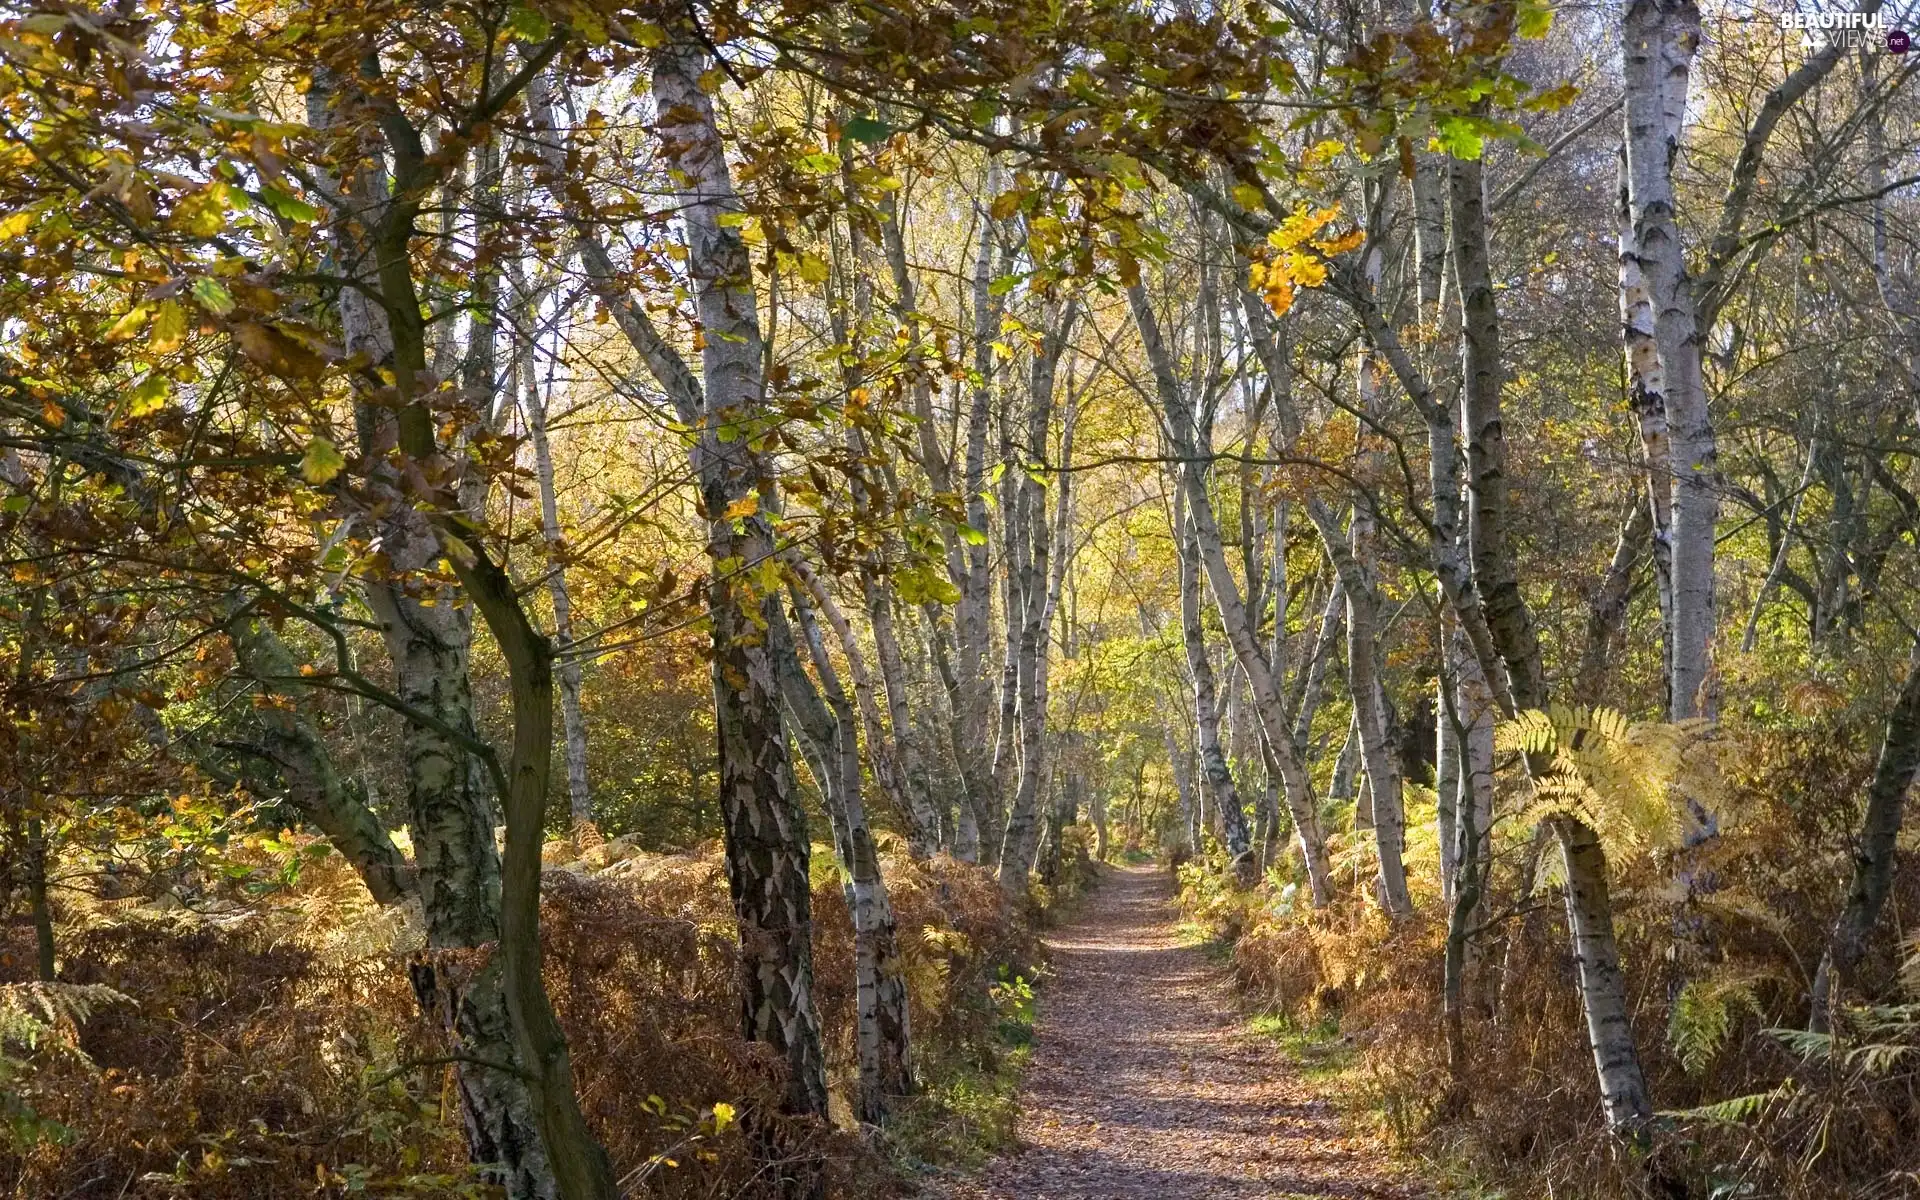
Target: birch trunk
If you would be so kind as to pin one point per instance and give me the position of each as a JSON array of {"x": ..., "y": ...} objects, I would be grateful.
[
  {"x": 428, "y": 638},
  {"x": 766, "y": 836},
  {"x": 882, "y": 1029},
  {"x": 1369, "y": 709},
  {"x": 767, "y": 847},
  {"x": 1269, "y": 708},
  {"x": 1206, "y": 713},
  {"x": 1607, "y": 610},
  {"x": 1658, "y": 40},
  {"x": 1446, "y": 761},
  {"x": 974, "y": 612},
  {"x": 1310, "y": 680},
  {"x": 573, "y": 723},
  {"x": 1623, "y": 1088},
  {"x": 1482, "y": 376},
  {"x": 1034, "y": 590}
]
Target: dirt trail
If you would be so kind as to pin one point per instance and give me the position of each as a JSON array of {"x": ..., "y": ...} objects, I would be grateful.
[{"x": 1146, "y": 1083}]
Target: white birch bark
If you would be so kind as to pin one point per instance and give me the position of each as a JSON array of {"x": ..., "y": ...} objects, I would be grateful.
[
  {"x": 1369, "y": 710},
  {"x": 573, "y": 722},
  {"x": 1658, "y": 40},
  {"x": 1177, "y": 415},
  {"x": 1206, "y": 711}
]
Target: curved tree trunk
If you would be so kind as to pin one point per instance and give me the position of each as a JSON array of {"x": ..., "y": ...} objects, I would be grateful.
[
  {"x": 1268, "y": 705},
  {"x": 1875, "y": 852},
  {"x": 1206, "y": 710},
  {"x": 513, "y": 1093}
]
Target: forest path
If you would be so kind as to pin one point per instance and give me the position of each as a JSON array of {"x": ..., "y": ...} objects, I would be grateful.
[{"x": 1146, "y": 1082}]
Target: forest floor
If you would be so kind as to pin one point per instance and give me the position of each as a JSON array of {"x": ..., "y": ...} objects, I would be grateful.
[{"x": 1146, "y": 1080}]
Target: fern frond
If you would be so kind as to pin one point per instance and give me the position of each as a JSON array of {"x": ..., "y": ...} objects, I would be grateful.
[
  {"x": 37, "y": 1015},
  {"x": 1628, "y": 781},
  {"x": 1703, "y": 1018},
  {"x": 1737, "y": 1111}
]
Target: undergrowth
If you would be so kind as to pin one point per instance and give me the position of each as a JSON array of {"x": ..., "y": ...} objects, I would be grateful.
[
  {"x": 265, "y": 1042},
  {"x": 1752, "y": 1107}
]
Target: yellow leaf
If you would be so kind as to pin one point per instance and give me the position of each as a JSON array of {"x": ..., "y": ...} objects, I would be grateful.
[
  {"x": 1347, "y": 241},
  {"x": 129, "y": 324},
  {"x": 169, "y": 328},
  {"x": 813, "y": 268},
  {"x": 321, "y": 462},
  {"x": 1247, "y": 195},
  {"x": 149, "y": 395},
  {"x": 745, "y": 506},
  {"x": 15, "y": 224},
  {"x": 722, "y": 1116}
]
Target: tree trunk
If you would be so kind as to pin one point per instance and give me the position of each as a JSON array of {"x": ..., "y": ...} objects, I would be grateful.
[
  {"x": 882, "y": 1034},
  {"x": 428, "y": 637},
  {"x": 1482, "y": 377},
  {"x": 34, "y": 851},
  {"x": 1658, "y": 40},
  {"x": 765, "y": 827},
  {"x": 1035, "y": 589},
  {"x": 1206, "y": 712},
  {"x": 299, "y": 755},
  {"x": 1623, "y": 1088},
  {"x": 1369, "y": 709},
  {"x": 573, "y": 724},
  {"x": 974, "y": 612},
  {"x": 1607, "y": 610},
  {"x": 1268, "y": 705},
  {"x": 1875, "y": 853},
  {"x": 1446, "y": 761}
]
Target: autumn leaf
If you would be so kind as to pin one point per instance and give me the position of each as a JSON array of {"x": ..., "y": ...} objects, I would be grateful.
[
  {"x": 129, "y": 323},
  {"x": 213, "y": 296},
  {"x": 276, "y": 351},
  {"x": 149, "y": 395},
  {"x": 813, "y": 268},
  {"x": 169, "y": 328},
  {"x": 321, "y": 462}
]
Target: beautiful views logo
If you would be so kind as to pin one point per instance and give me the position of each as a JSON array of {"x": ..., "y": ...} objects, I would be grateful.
[{"x": 1846, "y": 31}]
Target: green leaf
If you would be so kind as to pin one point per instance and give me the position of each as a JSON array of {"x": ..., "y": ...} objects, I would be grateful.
[
  {"x": 149, "y": 395},
  {"x": 970, "y": 535},
  {"x": 1460, "y": 137},
  {"x": 867, "y": 131},
  {"x": 213, "y": 296},
  {"x": 529, "y": 24},
  {"x": 293, "y": 208},
  {"x": 321, "y": 462},
  {"x": 1535, "y": 19}
]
